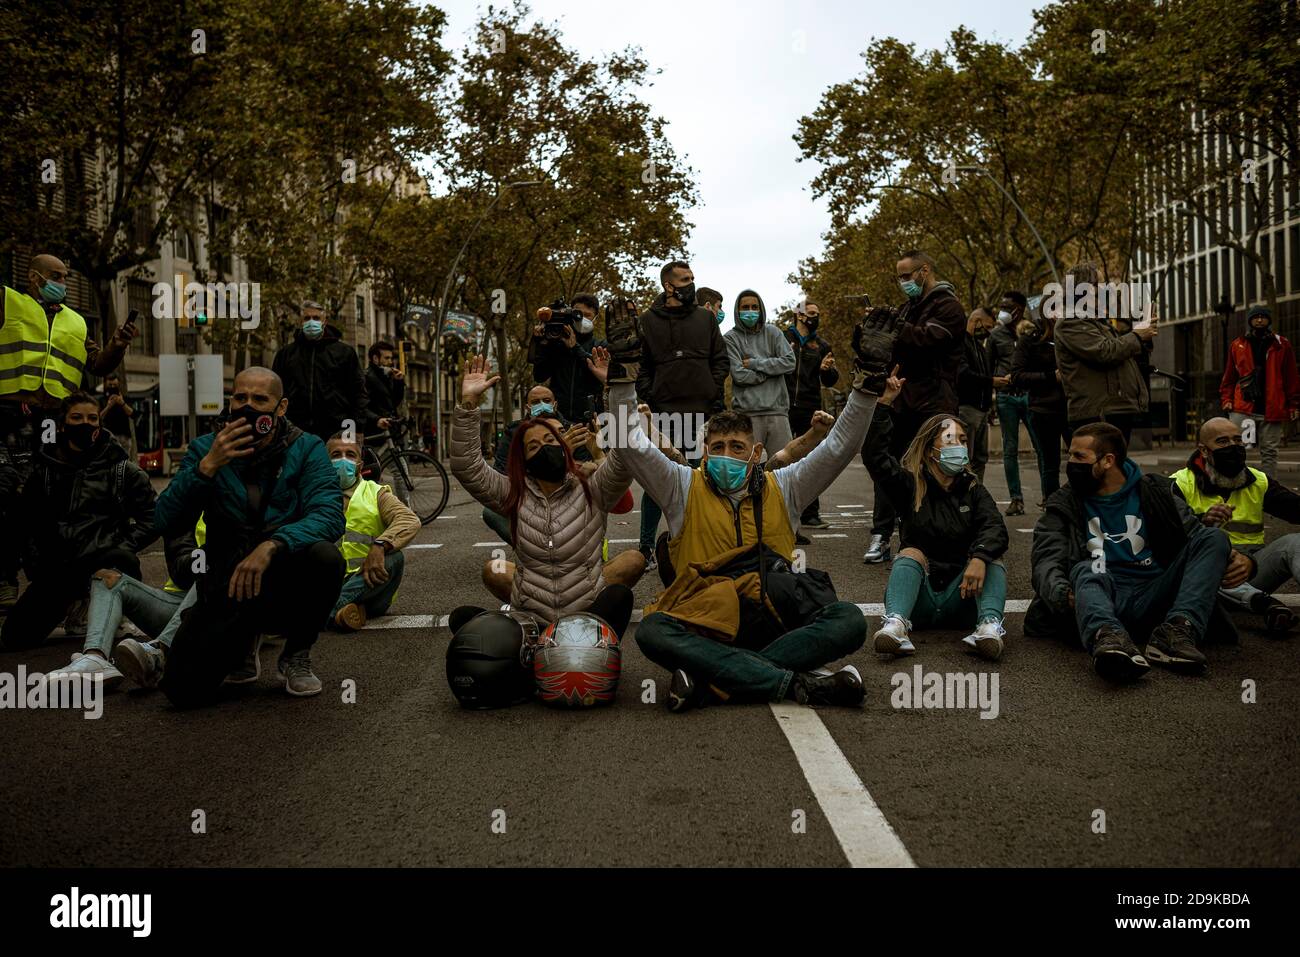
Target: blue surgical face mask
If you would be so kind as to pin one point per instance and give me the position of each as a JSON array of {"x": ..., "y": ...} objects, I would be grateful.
[
  {"x": 53, "y": 291},
  {"x": 312, "y": 328},
  {"x": 538, "y": 409},
  {"x": 748, "y": 317},
  {"x": 728, "y": 474},
  {"x": 912, "y": 288},
  {"x": 347, "y": 472},
  {"x": 722, "y": 314},
  {"x": 953, "y": 458}
]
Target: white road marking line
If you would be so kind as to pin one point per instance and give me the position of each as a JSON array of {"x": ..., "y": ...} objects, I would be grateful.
[
  {"x": 1014, "y": 606},
  {"x": 830, "y": 535},
  {"x": 425, "y": 545},
  {"x": 497, "y": 544},
  {"x": 1026, "y": 531},
  {"x": 864, "y": 834},
  {"x": 850, "y": 506},
  {"x": 445, "y": 518}
]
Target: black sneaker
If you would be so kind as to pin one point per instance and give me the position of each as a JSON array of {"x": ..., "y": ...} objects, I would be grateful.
[
  {"x": 1115, "y": 657},
  {"x": 842, "y": 688},
  {"x": 1016, "y": 507},
  {"x": 1171, "y": 645},
  {"x": 684, "y": 693},
  {"x": 1278, "y": 618},
  {"x": 814, "y": 521},
  {"x": 801, "y": 539}
]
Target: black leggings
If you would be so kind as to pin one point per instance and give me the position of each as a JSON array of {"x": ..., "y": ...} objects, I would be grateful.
[
  {"x": 613, "y": 604},
  {"x": 1051, "y": 430}
]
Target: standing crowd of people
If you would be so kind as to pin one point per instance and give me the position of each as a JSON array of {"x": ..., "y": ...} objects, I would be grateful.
[{"x": 275, "y": 526}]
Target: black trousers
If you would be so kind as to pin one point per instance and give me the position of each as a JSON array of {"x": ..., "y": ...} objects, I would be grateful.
[
  {"x": 1052, "y": 431},
  {"x": 298, "y": 591},
  {"x": 800, "y": 422},
  {"x": 883, "y": 514},
  {"x": 49, "y": 596},
  {"x": 613, "y": 604},
  {"x": 21, "y": 435},
  {"x": 1126, "y": 422}
]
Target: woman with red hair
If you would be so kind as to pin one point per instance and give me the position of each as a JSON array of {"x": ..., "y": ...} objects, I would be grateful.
[{"x": 557, "y": 514}]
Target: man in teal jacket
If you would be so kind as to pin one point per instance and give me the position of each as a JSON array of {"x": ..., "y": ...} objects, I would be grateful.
[{"x": 273, "y": 507}]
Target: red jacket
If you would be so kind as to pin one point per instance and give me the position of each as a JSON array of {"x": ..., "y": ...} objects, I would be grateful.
[{"x": 1282, "y": 381}]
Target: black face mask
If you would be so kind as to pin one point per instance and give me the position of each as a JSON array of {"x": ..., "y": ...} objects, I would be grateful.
[
  {"x": 1260, "y": 331},
  {"x": 262, "y": 423},
  {"x": 1082, "y": 479},
  {"x": 547, "y": 464},
  {"x": 685, "y": 294},
  {"x": 812, "y": 322},
  {"x": 1229, "y": 461},
  {"x": 82, "y": 434}
]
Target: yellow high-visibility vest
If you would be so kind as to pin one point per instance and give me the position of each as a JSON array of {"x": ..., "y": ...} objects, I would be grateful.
[
  {"x": 364, "y": 524},
  {"x": 1247, "y": 525},
  {"x": 200, "y": 536},
  {"x": 709, "y": 526},
  {"x": 36, "y": 353}
]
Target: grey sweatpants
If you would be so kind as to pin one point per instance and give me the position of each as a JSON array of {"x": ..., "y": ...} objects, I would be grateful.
[
  {"x": 773, "y": 431},
  {"x": 1275, "y": 564}
]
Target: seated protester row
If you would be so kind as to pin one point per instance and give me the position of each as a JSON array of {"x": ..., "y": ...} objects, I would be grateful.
[
  {"x": 1118, "y": 555},
  {"x": 1224, "y": 493},
  {"x": 952, "y": 536},
  {"x": 693, "y": 630},
  {"x": 274, "y": 513},
  {"x": 379, "y": 526},
  {"x": 557, "y": 515},
  {"x": 84, "y": 507}
]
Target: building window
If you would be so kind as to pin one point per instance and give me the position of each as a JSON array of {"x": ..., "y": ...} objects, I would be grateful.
[
  {"x": 1293, "y": 280},
  {"x": 139, "y": 296},
  {"x": 361, "y": 310},
  {"x": 185, "y": 246}
]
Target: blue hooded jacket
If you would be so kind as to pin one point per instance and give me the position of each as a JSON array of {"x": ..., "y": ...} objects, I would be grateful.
[{"x": 1116, "y": 524}]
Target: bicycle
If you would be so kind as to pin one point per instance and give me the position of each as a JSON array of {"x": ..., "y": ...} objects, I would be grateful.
[{"x": 419, "y": 480}]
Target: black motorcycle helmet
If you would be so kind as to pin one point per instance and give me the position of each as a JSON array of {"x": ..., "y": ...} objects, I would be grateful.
[{"x": 485, "y": 668}]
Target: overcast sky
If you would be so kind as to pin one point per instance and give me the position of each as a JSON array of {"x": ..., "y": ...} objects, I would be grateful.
[{"x": 736, "y": 79}]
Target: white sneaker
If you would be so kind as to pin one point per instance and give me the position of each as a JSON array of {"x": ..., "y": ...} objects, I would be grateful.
[
  {"x": 986, "y": 640},
  {"x": 88, "y": 666},
  {"x": 891, "y": 638}
]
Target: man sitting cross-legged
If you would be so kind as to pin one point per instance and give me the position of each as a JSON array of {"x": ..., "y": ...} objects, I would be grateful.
[
  {"x": 1224, "y": 493},
  {"x": 711, "y": 511},
  {"x": 1119, "y": 554}
]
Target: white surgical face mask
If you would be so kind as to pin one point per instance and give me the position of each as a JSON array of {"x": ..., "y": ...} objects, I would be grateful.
[
  {"x": 585, "y": 326},
  {"x": 1004, "y": 316}
]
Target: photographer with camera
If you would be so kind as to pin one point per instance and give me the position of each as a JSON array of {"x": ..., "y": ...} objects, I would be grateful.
[{"x": 562, "y": 343}]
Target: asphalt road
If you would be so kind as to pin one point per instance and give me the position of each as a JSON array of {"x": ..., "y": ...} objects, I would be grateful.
[{"x": 1184, "y": 771}]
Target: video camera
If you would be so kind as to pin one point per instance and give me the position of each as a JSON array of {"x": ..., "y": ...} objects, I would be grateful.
[{"x": 556, "y": 317}]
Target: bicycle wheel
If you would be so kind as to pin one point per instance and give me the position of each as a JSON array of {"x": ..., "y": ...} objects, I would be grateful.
[{"x": 420, "y": 482}]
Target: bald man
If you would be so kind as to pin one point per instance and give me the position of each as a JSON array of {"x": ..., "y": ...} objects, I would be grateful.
[
  {"x": 273, "y": 507},
  {"x": 45, "y": 348},
  {"x": 1225, "y": 493}
]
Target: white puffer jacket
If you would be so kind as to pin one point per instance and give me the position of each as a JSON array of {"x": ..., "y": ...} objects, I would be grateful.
[{"x": 558, "y": 539}]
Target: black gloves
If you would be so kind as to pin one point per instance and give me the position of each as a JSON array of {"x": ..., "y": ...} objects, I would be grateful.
[
  {"x": 873, "y": 347},
  {"x": 623, "y": 338}
]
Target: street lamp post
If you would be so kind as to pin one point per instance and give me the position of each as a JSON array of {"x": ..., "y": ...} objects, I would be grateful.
[
  {"x": 443, "y": 304},
  {"x": 1028, "y": 222}
]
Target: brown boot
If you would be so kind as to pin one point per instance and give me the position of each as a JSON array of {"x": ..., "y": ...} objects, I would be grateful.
[{"x": 351, "y": 617}]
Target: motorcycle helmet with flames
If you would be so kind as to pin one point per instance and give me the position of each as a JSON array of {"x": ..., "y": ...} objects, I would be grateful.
[
  {"x": 486, "y": 665},
  {"x": 577, "y": 662}
]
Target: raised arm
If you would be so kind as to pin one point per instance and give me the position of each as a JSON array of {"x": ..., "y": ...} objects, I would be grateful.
[{"x": 488, "y": 486}]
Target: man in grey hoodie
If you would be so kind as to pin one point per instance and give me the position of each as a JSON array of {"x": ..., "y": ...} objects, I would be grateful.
[{"x": 760, "y": 358}]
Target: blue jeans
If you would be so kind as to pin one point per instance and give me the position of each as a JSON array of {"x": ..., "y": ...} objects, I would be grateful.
[
  {"x": 375, "y": 599},
  {"x": 1136, "y": 604},
  {"x": 154, "y": 611},
  {"x": 1013, "y": 410},
  {"x": 743, "y": 674},
  {"x": 927, "y": 608}
]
